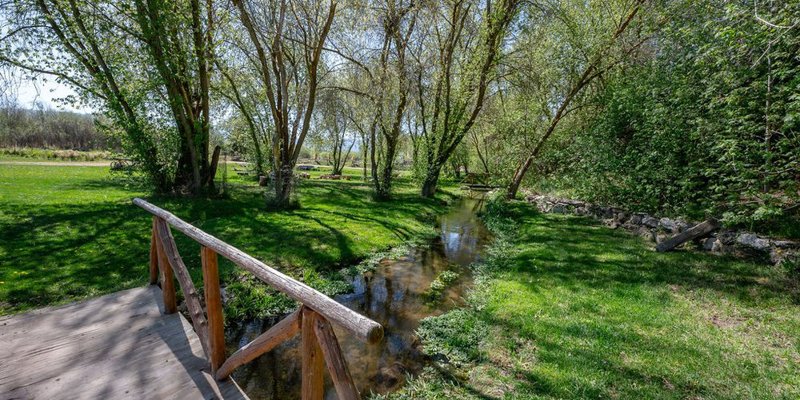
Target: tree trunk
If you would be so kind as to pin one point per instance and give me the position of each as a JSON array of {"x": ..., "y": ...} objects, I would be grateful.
[
  {"x": 283, "y": 186},
  {"x": 519, "y": 174},
  {"x": 431, "y": 180},
  {"x": 697, "y": 231}
]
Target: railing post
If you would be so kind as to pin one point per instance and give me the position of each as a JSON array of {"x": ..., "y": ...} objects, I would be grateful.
[
  {"x": 337, "y": 366},
  {"x": 154, "y": 253},
  {"x": 168, "y": 282},
  {"x": 216, "y": 331},
  {"x": 312, "y": 378}
]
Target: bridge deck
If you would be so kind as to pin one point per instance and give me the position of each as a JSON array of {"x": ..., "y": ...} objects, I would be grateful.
[{"x": 112, "y": 347}]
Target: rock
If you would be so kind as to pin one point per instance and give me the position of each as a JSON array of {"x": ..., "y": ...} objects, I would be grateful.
[
  {"x": 646, "y": 233},
  {"x": 668, "y": 225},
  {"x": 752, "y": 241},
  {"x": 560, "y": 208},
  {"x": 785, "y": 244},
  {"x": 611, "y": 223},
  {"x": 727, "y": 237},
  {"x": 649, "y": 221},
  {"x": 683, "y": 225},
  {"x": 636, "y": 219}
]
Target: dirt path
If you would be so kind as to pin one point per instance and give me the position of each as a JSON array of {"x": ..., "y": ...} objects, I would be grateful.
[{"x": 60, "y": 163}]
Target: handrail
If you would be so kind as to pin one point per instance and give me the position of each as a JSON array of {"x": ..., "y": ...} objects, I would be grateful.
[
  {"x": 360, "y": 326},
  {"x": 319, "y": 346}
]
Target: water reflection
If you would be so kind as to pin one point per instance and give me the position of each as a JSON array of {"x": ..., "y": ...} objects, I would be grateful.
[{"x": 396, "y": 296}]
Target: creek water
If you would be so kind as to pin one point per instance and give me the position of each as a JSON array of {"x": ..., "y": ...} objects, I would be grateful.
[{"x": 397, "y": 295}]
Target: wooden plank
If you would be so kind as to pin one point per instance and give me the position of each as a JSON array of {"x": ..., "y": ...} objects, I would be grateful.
[
  {"x": 216, "y": 323},
  {"x": 697, "y": 231},
  {"x": 167, "y": 280},
  {"x": 117, "y": 346},
  {"x": 190, "y": 295},
  {"x": 154, "y": 253},
  {"x": 312, "y": 387},
  {"x": 357, "y": 324},
  {"x": 337, "y": 366},
  {"x": 282, "y": 331}
]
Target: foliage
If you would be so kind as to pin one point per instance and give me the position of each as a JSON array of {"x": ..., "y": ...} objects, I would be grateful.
[
  {"x": 441, "y": 283},
  {"x": 24, "y": 153},
  {"x": 456, "y": 335},
  {"x": 708, "y": 125},
  {"x": 50, "y": 129}
]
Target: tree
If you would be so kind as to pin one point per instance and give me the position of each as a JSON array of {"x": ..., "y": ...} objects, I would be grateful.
[
  {"x": 595, "y": 60},
  {"x": 335, "y": 131},
  {"x": 146, "y": 62},
  {"x": 455, "y": 65},
  {"x": 286, "y": 41},
  {"x": 379, "y": 82},
  {"x": 252, "y": 111}
]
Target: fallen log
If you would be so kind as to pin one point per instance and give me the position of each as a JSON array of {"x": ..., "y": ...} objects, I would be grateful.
[{"x": 698, "y": 231}]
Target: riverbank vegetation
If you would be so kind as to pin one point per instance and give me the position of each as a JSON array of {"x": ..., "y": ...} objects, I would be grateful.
[{"x": 567, "y": 308}]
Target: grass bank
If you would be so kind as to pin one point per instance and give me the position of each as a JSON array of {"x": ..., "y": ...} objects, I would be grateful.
[
  {"x": 565, "y": 308},
  {"x": 68, "y": 233}
]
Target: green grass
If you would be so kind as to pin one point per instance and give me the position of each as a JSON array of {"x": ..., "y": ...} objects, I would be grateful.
[
  {"x": 566, "y": 308},
  {"x": 67, "y": 233}
]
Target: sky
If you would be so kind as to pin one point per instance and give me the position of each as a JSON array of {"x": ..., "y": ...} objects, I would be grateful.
[{"x": 45, "y": 93}]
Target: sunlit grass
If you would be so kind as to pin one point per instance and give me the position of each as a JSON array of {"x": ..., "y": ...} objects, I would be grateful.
[
  {"x": 68, "y": 233},
  {"x": 571, "y": 309}
]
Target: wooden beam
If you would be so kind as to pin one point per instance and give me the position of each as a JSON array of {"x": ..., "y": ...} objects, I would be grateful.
[
  {"x": 337, "y": 366},
  {"x": 153, "y": 253},
  {"x": 697, "y": 231},
  {"x": 167, "y": 281},
  {"x": 357, "y": 324},
  {"x": 280, "y": 332},
  {"x": 216, "y": 323},
  {"x": 190, "y": 295},
  {"x": 312, "y": 386}
]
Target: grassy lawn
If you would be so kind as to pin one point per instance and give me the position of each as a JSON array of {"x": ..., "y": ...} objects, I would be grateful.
[
  {"x": 68, "y": 233},
  {"x": 566, "y": 308}
]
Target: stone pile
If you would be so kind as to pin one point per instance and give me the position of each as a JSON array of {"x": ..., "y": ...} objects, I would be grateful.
[{"x": 655, "y": 229}]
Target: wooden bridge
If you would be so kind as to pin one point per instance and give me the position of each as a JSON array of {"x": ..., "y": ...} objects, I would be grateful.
[{"x": 134, "y": 344}]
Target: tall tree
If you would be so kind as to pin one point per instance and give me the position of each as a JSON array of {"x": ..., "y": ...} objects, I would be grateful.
[
  {"x": 379, "y": 81},
  {"x": 287, "y": 39},
  {"x": 595, "y": 56},
  {"x": 455, "y": 65},
  {"x": 145, "y": 62},
  {"x": 335, "y": 130}
]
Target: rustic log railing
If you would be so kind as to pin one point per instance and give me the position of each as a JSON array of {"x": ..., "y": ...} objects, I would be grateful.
[{"x": 319, "y": 346}]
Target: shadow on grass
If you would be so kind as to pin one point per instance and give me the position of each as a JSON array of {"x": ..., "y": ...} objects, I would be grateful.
[
  {"x": 76, "y": 248},
  {"x": 577, "y": 310}
]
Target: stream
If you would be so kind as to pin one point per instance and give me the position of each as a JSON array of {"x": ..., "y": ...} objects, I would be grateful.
[{"x": 396, "y": 295}]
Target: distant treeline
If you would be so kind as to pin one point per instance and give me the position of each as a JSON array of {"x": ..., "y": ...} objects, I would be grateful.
[{"x": 50, "y": 129}]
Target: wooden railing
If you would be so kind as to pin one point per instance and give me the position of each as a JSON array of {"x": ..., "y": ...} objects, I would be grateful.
[{"x": 313, "y": 320}]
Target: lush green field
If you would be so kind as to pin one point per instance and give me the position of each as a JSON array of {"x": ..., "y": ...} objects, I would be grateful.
[
  {"x": 70, "y": 232},
  {"x": 570, "y": 309}
]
